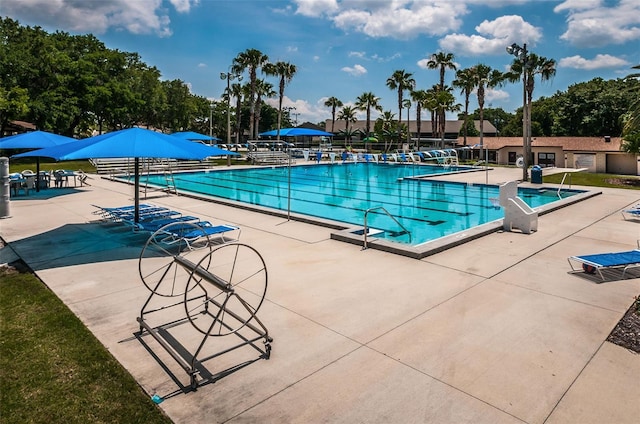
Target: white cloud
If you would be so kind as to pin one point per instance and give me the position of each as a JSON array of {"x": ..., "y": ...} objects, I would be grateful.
[
  {"x": 492, "y": 94},
  {"x": 402, "y": 19},
  {"x": 292, "y": 49},
  {"x": 360, "y": 55},
  {"x": 202, "y": 65},
  {"x": 184, "y": 6},
  {"x": 493, "y": 37},
  {"x": 137, "y": 17},
  {"x": 355, "y": 71},
  {"x": 598, "y": 25},
  {"x": 316, "y": 8},
  {"x": 577, "y": 5},
  {"x": 599, "y": 62}
]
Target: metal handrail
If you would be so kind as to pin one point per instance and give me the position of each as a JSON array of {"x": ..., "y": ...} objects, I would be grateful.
[
  {"x": 389, "y": 215},
  {"x": 562, "y": 182}
]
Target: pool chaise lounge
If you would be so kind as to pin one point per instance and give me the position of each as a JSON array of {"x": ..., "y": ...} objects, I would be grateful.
[
  {"x": 192, "y": 233},
  {"x": 602, "y": 261},
  {"x": 632, "y": 213}
]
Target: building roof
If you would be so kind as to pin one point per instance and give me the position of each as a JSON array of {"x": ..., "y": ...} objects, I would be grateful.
[
  {"x": 575, "y": 144},
  {"x": 451, "y": 127}
]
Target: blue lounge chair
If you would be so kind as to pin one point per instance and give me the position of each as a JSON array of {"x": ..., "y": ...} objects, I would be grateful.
[
  {"x": 114, "y": 212},
  {"x": 596, "y": 263},
  {"x": 633, "y": 213},
  {"x": 192, "y": 234},
  {"x": 156, "y": 224}
]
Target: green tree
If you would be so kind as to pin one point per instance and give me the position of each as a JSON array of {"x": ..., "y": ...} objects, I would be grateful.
[
  {"x": 445, "y": 102},
  {"x": 387, "y": 127},
  {"x": 527, "y": 68},
  {"x": 631, "y": 119},
  {"x": 441, "y": 61},
  {"x": 333, "y": 103},
  {"x": 250, "y": 60},
  {"x": 401, "y": 80},
  {"x": 484, "y": 77},
  {"x": 285, "y": 72},
  {"x": 263, "y": 89},
  {"x": 466, "y": 83},
  {"x": 419, "y": 97},
  {"x": 366, "y": 102},
  {"x": 348, "y": 115}
]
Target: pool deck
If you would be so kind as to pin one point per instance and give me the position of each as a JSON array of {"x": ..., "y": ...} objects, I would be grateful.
[{"x": 492, "y": 331}]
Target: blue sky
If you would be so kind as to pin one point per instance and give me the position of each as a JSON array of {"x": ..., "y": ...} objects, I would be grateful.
[{"x": 344, "y": 48}]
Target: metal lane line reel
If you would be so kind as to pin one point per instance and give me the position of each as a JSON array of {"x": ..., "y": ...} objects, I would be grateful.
[{"x": 217, "y": 289}]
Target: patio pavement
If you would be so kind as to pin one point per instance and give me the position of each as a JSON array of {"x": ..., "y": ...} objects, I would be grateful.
[{"x": 493, "y": 331}]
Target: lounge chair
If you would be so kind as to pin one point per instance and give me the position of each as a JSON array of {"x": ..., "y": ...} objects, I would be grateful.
[
  {"x": 156, "y": 224},
  {"x": 192, "y": 234},
  {"x": 596, "y": 263},
  {"x": 113, "y": 213},
  {"x": 633, "y": 213}
]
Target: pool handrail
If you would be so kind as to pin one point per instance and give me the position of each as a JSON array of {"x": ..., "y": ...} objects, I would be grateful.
[{"x": 364, "y": 233}]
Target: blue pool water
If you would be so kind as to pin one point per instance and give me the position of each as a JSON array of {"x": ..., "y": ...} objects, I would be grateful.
[{"x": 427, "y": 208}]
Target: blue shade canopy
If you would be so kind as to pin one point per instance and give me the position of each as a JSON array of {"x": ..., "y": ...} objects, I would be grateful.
[
  {"x": 190, "y": 135},
  {"x": 34, "y": 140},
  {"x": 292, "y": 132},
  {"x": 129, "y": 143}
]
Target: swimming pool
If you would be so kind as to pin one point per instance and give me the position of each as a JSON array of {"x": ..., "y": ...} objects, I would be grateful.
[{"x": 423, "y": 209}]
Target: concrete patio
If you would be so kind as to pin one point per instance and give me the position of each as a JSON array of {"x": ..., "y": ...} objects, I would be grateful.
[{"x": 493, "y": 331}]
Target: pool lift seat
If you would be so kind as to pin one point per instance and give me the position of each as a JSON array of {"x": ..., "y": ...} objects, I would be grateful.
[{"x": 517, "y": 214}]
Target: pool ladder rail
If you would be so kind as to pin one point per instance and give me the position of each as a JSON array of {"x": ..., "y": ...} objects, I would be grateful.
[
  {"x": 562, "y": 183},
  {"x": 366, "y": 229}
]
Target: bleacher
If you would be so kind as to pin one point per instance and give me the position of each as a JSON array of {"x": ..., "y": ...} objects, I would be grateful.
[
  {"x": 269, "y": 158},
  {"x": 113, "y": 166}
]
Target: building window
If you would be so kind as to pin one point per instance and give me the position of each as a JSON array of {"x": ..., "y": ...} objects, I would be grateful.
[
  {"x": 512, "y": 158},
  {"x": 546, "y": 159}
]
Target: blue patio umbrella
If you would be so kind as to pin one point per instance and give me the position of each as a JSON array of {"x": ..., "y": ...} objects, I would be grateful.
[
  {"x": 293, "y": 132},
  {"x": 34, "y": 140},
  {"x": 134, "y": 143},
  {"x": 194, "y": 136}
]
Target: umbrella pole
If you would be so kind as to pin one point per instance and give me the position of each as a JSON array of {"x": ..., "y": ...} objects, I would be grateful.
[
  {"x": 38, "y": 174},
  {"x": 137, "y": 191}
]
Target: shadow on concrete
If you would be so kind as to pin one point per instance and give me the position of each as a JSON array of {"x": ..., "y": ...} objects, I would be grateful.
[
  {"x": 78, "y": 244},
  {"x": 45, "y": 194}
]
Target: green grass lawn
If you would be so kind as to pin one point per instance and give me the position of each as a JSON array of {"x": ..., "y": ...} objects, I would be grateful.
[
  {"x": 596, "y": 180},
  {"x": 53, "y": 370},
  {"x": 19, "y": 165}
]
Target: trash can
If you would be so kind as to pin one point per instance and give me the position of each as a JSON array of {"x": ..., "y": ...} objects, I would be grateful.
[{"x": 536, "y": 175}]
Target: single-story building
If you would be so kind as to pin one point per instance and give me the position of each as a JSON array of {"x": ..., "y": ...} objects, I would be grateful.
[{"x": 597, "y": 154}]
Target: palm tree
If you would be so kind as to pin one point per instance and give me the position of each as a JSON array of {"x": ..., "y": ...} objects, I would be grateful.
[
  {"x": 631, "y": 119},
  {"x": 527, "y": 69},
  {"x": 285, "y": 71},
  {"x": 445, "y": 102},
  {"x": 465, "y": 82},
  {"x": 348, "y": 114},
  {"x": 263, "y": 89},
  {"x": 484, "y": 77},
  {"x": 366, "y": 102},
  {"x": 441, "y": 61},
  {"x": 385, "y": 126},
  {"x": 430, "y": 104},
  {"x": 237, "y": 91},
  {"x": 407, "y": 104},
  {"x": 333, "y": 103},
  {"x": 251, "y": 60},
  {"x": 419, "y": 97},
  {"x": 401, "y": 80}
]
